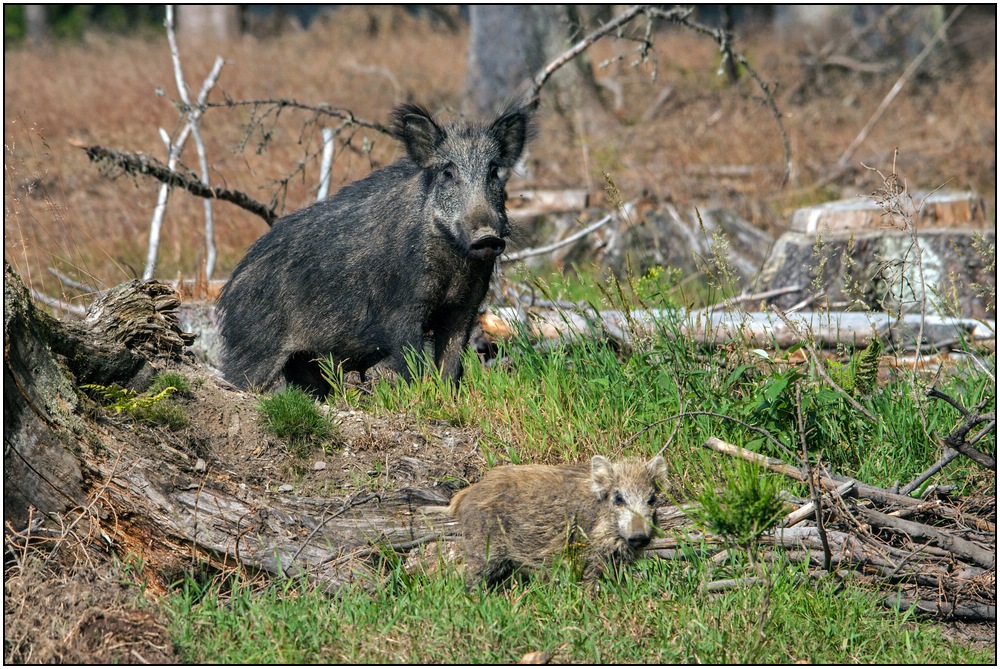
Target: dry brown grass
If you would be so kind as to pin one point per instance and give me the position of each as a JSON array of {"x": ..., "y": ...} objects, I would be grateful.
[
  {"x": 61, "y": 211},
  {"x": 68, "y": 606}
]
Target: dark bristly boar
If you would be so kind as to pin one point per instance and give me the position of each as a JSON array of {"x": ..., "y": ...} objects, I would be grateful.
[
  {"x": 521, "y": 517},
  {"x": 395, "y": 261}
]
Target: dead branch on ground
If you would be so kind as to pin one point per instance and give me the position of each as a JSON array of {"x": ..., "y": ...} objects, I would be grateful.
[
  {"x": 864, "y": 531},
  {"x": 956, "y": 439}
]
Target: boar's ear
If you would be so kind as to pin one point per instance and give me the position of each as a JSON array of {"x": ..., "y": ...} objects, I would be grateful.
[
  {"x": 601, "y": 476},
  {"x": 657, "y": 468},
  {"x": 418, "y": 131},
  {"x": 512, "y": 130}
]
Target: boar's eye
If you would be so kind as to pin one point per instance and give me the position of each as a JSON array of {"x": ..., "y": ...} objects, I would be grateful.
[
  {"x": 618, "y": 500},
  {"x": 448, "y": 173}
]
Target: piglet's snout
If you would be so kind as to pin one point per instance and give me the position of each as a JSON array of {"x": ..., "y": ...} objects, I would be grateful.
[{"x": 639, "y": 532}]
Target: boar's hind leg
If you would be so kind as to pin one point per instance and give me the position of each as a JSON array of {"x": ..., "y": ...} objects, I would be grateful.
[
  {"x": 303, "y": 370},
  {"x": 252, "y": 372},
  {"x": 409, "y": 347}
]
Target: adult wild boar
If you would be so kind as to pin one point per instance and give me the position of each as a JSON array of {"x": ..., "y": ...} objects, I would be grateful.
[{"x": 392, "y": 262}]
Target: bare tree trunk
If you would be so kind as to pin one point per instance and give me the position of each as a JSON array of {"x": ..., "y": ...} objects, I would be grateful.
[
  {"x": 505, "y": 50},
  {"x": 509, "y": 44},
  {"x": 36, "y": 23},
  {"x": 209, "y": 22}
]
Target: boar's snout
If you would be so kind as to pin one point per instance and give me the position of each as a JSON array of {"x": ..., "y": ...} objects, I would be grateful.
[{"x": 486, "y": 245}]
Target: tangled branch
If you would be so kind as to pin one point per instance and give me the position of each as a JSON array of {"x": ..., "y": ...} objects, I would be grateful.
[{"x": 319, "y": 110}]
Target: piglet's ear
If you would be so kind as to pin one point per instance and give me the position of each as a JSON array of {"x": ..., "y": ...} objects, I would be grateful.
[
  {"x": 418, "y": 131},
  {"x": 601, "y": 475},
  {"x": 657, "y": 468}
]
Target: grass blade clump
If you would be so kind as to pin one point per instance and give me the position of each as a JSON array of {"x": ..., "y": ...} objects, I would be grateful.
[
  {"x": 749, "y": 504},
  {"x": 292, "y": 414}
]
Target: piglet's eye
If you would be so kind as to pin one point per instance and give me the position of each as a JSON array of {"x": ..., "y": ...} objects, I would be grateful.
[
  {"x": 618, "y": 500},
  {"x": 652, "y": 499}
]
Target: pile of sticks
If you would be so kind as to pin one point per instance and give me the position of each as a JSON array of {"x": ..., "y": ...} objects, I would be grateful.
[
  {"x": 938, "y": 556},
  {"x": 934, "y": 553}
]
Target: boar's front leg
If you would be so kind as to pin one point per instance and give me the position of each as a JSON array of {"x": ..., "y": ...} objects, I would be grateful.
[
  {"x": 450, "y": 339},
  {"x": 409, "y": 345}
]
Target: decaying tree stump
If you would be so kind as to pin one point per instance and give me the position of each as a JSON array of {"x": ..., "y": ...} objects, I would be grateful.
[
  {"x": 854, "y": 251},
  {"x": 39, "y": 415},
  {"x": 63, "y": 466}
]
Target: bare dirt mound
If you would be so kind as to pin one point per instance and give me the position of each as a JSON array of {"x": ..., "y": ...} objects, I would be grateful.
[{"x": 367, "y": 452}]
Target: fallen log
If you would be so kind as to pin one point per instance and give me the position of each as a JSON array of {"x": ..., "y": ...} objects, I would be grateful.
[
  {"x": 939, "y": 609},
  {"x": 863, "y": 490},
  {"x": 809, "y": 509},
  {"x": 718, "y": 327}
]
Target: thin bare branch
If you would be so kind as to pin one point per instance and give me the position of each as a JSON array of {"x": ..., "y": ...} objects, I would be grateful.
[
  {"x": 750, "y": 297},
  {"x": 724, "y": 39},
  {"x": 326, "y": 164},
  {"x": 76, "y": 285},
  {"x": 319, "y": 110},
  {"x": 956, "y": 438},
  {"x": 949, "y": 455},
  {"x": 527, "y": 253},
  {"x": 74, "y": 309},
  {"x": 897, "y": 87},
  {"x": 140, "y": 163},
  {"x": 619, "y": 21},
  {"x": 193, "y": 113}
]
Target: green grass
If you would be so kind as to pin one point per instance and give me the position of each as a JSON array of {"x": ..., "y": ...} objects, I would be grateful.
[
  {"x": 292, "y": 414},
  {"x": 572, "y": 401},
  {"x": 175, "y": 380},
  {"x": 658, "y": 613}
]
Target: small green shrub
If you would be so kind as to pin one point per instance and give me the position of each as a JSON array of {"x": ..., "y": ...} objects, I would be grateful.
[
  {"x": 293, "y": 415},
  {"x": 163, "y": 380},
  {"x": 749, "y": 505},
  {"x": 859, "y": 375}
]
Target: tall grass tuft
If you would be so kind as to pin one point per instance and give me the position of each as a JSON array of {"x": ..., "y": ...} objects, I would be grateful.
[{"x": 292, "y": 414}]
